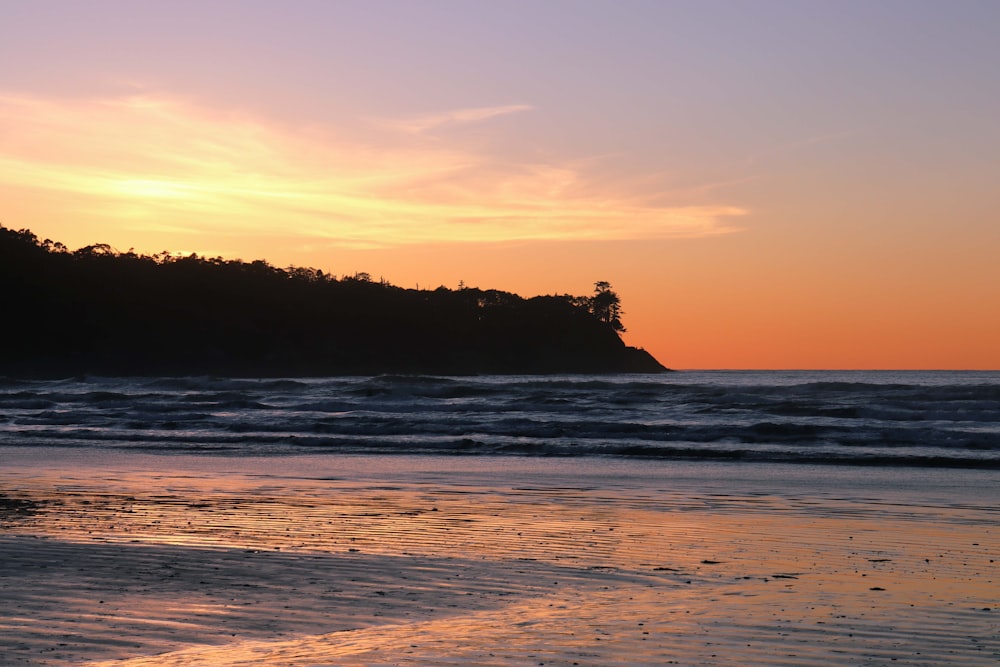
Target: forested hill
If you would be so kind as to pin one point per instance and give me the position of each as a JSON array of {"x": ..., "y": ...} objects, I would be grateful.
[{"x": 98, "y": 311}]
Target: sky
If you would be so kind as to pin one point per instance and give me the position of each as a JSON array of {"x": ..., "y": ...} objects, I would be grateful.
[{"x": 767, "y": 185}]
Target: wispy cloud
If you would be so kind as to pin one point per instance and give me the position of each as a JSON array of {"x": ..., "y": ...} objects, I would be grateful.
[
  {"x": 147, "y": 161},
  {"x": 419, "y": 124}
]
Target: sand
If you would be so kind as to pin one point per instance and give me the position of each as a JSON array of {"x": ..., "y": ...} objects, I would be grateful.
[{"x": 167, "y": 560}]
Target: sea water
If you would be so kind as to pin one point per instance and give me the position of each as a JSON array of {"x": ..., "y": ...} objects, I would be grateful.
[{"x": 913, "y": 418}]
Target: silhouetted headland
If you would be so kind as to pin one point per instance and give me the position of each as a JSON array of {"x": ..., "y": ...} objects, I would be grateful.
[{"x": 99, "y": 311}]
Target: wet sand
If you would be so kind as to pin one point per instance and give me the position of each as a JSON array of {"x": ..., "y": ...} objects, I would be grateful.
[{"x": 166, "y": 560}]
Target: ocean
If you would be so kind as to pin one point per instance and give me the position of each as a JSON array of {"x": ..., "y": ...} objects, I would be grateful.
[{"x": 914, "y": 418}]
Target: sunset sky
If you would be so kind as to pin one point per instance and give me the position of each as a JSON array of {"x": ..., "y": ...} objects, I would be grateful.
[{"x": 766, "y": 184}]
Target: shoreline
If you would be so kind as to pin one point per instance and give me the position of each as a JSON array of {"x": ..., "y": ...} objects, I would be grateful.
[{"x": 194, "y": 560}]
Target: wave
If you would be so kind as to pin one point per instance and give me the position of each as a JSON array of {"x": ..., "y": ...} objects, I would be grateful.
[{"x": 869, "y": 419}]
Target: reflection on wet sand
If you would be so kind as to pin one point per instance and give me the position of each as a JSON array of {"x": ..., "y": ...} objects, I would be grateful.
[{"x": 181, "y": 568}]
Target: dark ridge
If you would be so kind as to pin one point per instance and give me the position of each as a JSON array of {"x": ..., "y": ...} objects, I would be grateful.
[{"x": 98, "y": 311}]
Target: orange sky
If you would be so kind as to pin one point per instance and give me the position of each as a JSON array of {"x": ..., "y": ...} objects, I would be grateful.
[{"x": 768, "y": 197}]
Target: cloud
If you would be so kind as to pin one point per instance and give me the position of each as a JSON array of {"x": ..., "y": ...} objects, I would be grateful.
[
  {"x": 153, "y": 162},
  {"x": 420, "y": 124}
]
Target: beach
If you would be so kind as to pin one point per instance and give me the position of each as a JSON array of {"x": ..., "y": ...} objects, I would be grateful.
[{"x": 112, "y": 559}]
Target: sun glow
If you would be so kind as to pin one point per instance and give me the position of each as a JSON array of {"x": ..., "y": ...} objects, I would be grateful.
[{"x": 147, "y": 161}]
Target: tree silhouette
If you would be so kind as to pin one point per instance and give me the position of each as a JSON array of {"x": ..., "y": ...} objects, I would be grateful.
[{"x": 606, "y": 305}]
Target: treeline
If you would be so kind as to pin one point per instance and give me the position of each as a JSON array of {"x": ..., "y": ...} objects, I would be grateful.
[{"x": 99, "y": 311}]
